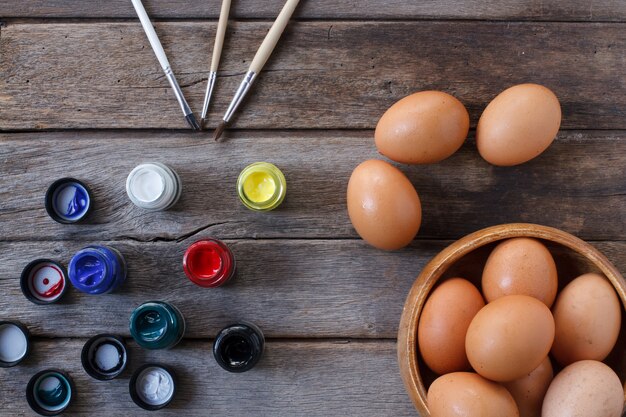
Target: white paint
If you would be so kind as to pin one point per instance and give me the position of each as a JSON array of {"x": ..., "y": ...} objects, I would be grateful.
[
  {"x": 155, "y": 386},
  {"x": 147, "y": 185},
  {"x": 153, "y": 186},
  {"x": 107, "y": 356},
  {"x": 13, "y": 343}
]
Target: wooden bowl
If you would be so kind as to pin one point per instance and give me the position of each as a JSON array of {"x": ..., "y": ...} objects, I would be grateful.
[{"x": 466, "y": 258}]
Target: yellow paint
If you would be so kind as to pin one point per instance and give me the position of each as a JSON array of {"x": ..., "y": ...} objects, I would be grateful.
[{"x": 259, "y": 186}]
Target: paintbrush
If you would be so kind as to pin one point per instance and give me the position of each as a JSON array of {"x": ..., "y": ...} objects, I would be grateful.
[
  {"x": 217, "y": 53},
  {"x": 160, "y": 54},
  {"x": 261, "y": 57}
]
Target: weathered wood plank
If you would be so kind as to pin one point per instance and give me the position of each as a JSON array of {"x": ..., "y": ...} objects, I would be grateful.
[
  {"x": 584, "y": 10},
  {"x": 292, "y": 379},
  {"x": 291, "y": 288},
  {"x": 577, "y": 185},
  {"x": 323, "y": 74}
]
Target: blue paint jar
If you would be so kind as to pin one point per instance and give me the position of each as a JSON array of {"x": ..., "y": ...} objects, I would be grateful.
[
  {"x": 97, "y": 270},
  {"x": 157, "y": 325},
  {"x": 68, "y": 200}
]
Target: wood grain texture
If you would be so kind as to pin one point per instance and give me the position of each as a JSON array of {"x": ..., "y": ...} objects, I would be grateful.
[
  {"x": 322, "y": 74},
  {"x": 290, "y": 288},
  {"x": 293, "y": 379},
  {"x": 583, "y": 10},
  {"x": 577, "y": 185}
]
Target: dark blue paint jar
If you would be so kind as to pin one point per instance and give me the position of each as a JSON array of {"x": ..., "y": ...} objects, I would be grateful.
[
  {"x": 68, "y": 200},
  {"x": 97, "y": 269}
]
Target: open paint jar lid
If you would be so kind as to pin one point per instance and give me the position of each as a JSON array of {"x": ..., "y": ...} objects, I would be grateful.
[
  {"x": 104, "y": 356},
  {"x": 14, "y": 343},
  {"x": 153, "y": 186},
  {"x": 50, "y": 392},
  {"x": 152, "y": 386},
  {"x": 68, "y": 200},
  {"x": 261, "y": 186},
  {"x": 43, "y": 281}
]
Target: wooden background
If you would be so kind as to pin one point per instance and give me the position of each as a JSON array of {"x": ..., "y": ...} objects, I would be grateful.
[{"x": 82, "y": 94}]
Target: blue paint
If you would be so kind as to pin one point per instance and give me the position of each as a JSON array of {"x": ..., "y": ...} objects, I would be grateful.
[
  {"x": 71, "y": 201},
  {"x": 97, "y": 270}
]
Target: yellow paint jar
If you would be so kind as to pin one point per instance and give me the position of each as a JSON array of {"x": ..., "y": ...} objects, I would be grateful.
[{"x": 261, "y": 186}]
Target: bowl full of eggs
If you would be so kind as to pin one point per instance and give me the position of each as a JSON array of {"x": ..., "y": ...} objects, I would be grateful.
[{"x": 516, "y": 320}]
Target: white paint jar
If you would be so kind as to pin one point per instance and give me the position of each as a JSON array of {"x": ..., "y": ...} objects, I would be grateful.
[{"x": 153, "y": 186}]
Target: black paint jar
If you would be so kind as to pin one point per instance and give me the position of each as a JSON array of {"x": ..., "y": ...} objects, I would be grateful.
[{"x": 239, "y": 347}]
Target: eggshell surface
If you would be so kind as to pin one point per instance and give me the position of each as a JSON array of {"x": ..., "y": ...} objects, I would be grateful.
[
  {"x": 509, "y": 337},
  {"x": 443, "y": 324},
  {"x": 383, "y": 205},
  {"x": 587, "y": 315},
  {"x": 465, "y": 394},
  {"x": 422, "y": 128},
  {"x": 584, "y": 389},
  {"x": 518, "y": 125},
  {"x": 529, "y": 391},
  {"x": 520, "y": 266}
]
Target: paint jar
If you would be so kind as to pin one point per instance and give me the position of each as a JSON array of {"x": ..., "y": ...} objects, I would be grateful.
[
  {"x": 261, "y": 186},
  {"x": 152, "y": 386},
  {"x": 157, "y": 325},
  {"x": 14, "y": 343},
  {"x": 43, "y": 281},
  {"x": 153, "y": 186},
  {"x": 209, "y": 263},
  {"x": 50, "y": 392},
  {"x": 97, "y": 269},
  {"x": 68, "y": 200},
  {"x": 239, "y": 347},
  {"x": 104, "y": 356}
]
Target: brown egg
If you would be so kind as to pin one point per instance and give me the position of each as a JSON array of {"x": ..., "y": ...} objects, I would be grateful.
[
  {"x": 383, "y": 206},
  {"x": 529, "y": 390},
  {"x": 584, "y": 389},
  {"x": 509, "y": 337},
  {"x": 520, "y": 266},
  {"x": 587, "y": 316},
  {"x": 443, "y": 323},
  {"x": 518, "y": 125},
  {"x": 464, "y": 394},
  {"x": 422, "y": 128}
]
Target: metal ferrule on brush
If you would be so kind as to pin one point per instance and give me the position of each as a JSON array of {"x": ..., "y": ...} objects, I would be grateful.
[
  {"x": 243, "y": 89},
  {"x": 181, "y": 99},
  {"x": 209, "y": 93}
]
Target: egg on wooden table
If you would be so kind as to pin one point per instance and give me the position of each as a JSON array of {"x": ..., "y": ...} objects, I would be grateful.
[
  {"x": 588, "y": 317},
  {"x": 520, "y": 266},
  {"x": 383, "y": 205},
  {"x": 443, "y": 324},
  {"x": 529, "y": 391},
  {"x": 422, "y": 128},
  {"x": 466, "y": 394},
  {"x": 584, "y": 389},
  {"x": 509, "y": 337},
  {"x": 518, "y": 125}
]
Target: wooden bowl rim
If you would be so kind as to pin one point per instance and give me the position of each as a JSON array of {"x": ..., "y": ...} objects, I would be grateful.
[{"x": 432, "y": 272}]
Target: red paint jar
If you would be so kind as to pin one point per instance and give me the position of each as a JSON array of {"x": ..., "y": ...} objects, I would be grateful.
[{"x": 209, "y": 263}]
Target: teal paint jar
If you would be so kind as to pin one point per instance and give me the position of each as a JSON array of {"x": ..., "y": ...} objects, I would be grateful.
[
  {"x": 50, "y": 392},
  {"x": 157, "y": 325}
]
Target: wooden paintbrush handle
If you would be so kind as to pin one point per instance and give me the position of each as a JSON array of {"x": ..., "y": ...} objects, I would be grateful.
[
  {"x": 219, "y": 36},
  {"x": 270, "y": 41}
]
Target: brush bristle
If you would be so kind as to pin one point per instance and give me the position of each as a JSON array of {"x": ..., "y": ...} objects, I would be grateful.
[
  {"x": 220, "y": 129},
  {"x": 191, "y": 119}
]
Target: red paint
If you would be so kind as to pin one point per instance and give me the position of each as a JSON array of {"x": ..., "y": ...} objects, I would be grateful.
[
  {"x": 53, "y": 291},
  {"x": 209, "y": 263}
]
